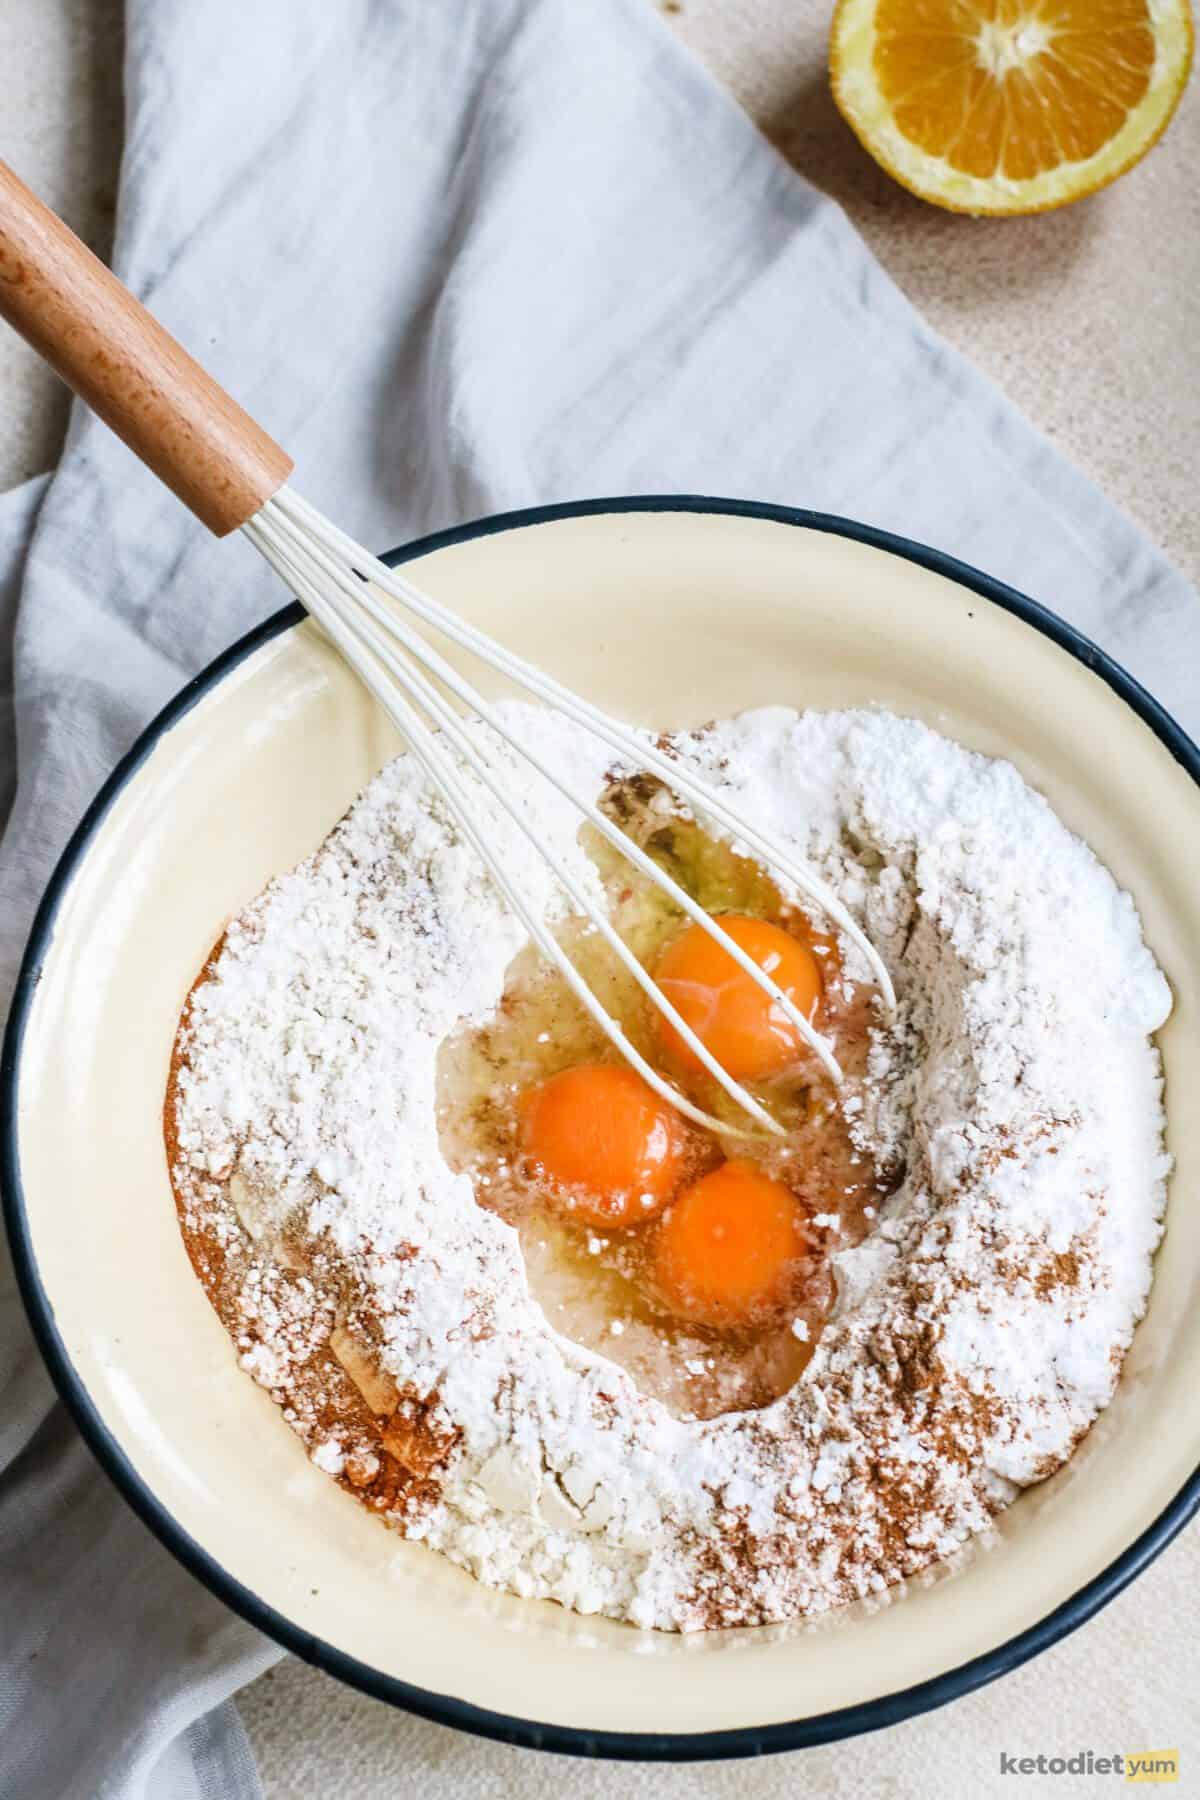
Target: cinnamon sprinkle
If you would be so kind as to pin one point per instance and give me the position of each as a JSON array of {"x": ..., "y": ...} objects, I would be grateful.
[{"x": 979, "y": 1327}]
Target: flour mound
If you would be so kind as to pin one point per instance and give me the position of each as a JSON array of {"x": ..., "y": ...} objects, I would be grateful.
[{"x": 978, "y": 1330}]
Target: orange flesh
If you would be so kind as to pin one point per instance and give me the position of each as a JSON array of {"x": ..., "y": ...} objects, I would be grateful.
[
  {"x": 747, "y": 1032},
  {"x": 606, "y": 1142},
  {"x": 1012, "y": 88},
  {"x": 728, "y": 1246}
]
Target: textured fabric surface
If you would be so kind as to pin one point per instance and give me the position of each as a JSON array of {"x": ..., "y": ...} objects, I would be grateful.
[
  {"x": 1111, "y": 1687},
  {"x": 456, "y": 259}
]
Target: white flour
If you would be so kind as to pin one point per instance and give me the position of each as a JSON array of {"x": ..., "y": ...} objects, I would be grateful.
[{"x": 979, "y": 1328}]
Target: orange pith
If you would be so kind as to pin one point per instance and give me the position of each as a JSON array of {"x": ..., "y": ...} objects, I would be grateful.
[
  {"x": 603, "y": 1137},
  {"x": 745, "y": 1030},
  {"x": 1009, "y": 105},
  {"x": 727, "y": 1246}
]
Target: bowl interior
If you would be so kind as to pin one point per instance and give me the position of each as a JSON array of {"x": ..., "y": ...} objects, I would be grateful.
[{"x": 668, "y": 618}]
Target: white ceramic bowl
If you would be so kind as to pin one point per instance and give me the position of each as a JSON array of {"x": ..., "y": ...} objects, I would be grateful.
[{"x": 670, "y": 612}]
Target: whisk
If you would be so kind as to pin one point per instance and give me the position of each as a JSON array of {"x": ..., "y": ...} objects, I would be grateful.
[{"x": 222, "y": 465}]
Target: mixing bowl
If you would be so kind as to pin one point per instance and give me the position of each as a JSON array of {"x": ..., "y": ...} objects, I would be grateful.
[{"x": 668, "y": 611}]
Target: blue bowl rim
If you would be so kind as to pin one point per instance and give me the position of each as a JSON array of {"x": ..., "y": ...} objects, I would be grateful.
[{"x": 844, "y": 1722}]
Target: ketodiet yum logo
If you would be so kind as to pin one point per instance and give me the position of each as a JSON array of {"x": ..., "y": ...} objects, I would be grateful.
[{"x": 1127, "y": 1765}]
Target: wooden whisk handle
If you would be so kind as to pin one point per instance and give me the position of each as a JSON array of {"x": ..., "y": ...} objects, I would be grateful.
[{"x": 118, "y": 358}]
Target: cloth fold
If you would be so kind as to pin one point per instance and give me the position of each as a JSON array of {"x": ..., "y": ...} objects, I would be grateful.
[{"x": 456, "y": 259}]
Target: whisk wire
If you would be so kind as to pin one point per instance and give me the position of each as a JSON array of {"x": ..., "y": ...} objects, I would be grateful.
[
  {"x": 425, "y": 654},
  {"x": 333, "y": 576},
  {"x": 564, "y": 700},
  {"x": 351, "y": 631}
]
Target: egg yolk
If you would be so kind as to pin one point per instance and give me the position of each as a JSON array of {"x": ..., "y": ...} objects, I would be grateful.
[
  {"x": 600, "y": 1133},
  {"x": 747, "y": 1031},
  {"x": 729, "y": 1245}
]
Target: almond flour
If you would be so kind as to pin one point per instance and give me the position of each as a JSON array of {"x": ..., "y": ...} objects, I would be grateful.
[{"x": 977, "y": 1331}]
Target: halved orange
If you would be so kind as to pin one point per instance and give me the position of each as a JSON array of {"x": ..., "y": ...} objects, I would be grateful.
[{"x": 1009, "y": 106}]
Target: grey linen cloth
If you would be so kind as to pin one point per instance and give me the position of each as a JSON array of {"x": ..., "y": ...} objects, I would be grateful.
[{"x": 457, "y": 258}]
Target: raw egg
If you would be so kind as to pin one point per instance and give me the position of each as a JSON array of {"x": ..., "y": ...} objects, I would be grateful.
[
  {"x": 728, "y": 1251},
  {"x": 747, "y": 1031},
  {"x": 606, "y": 1141}
]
